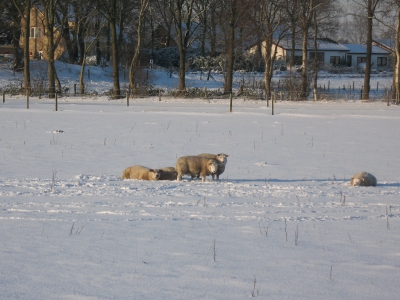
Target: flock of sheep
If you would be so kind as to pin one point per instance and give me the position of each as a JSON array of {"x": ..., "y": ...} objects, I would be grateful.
[
  {"x": 201, "y": 165},
  {"x": 206, "y": 164}
]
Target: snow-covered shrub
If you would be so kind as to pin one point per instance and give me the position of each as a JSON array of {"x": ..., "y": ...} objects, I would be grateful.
[
  {"x": 165, "y": 57},
  {"x": 242, "y": 61},
  {"x": 39, "y": 80}
]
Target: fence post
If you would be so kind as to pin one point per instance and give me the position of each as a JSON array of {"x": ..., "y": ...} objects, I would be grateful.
[
  {"x": 74, "y": 89},
  {"x": 127, "y": 99},
  {"x": 56, "y": 101},
  {"x": 315, "y": 94},
  {"x": 4, "y": 96},
  {"x": 159, "y": 94},
  {"x": 272, "y": 106},
  {"x": 230, "y": 103},
  {"x": 205, "y": 93},
  {"x": 387, "y": 98}
]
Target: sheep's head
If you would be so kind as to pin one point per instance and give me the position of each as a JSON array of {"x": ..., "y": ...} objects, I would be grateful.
[
  {"x": 356, "y": 181},
  {"x": 212, "y": 166},
  {"x": 155, "y": 174},
  {"x": 222, "y": 158}
]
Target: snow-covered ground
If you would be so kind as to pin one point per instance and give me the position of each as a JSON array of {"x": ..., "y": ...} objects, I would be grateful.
[{"x": 282, "y": 223}]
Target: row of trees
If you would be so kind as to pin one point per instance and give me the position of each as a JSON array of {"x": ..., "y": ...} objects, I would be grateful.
[{"x": 227, "y": 27}]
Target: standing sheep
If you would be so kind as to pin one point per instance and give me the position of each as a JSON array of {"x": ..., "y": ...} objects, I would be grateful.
[
  {"x": 222, "y": 160},
  {"x": 363, "y": 179},
  {"x": 194, "y": 165},
  {"x": 168, "y": 173},
  {"x": 141, "y": 173}
]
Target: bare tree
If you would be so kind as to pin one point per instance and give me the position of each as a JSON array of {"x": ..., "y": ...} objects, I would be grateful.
[
  {"x": 368, "y": 9},
  {"x": 184, "y": 17},
  {"x": 109, "y": 9},
  {"x": 389, "y": 17},
  {"x": 291, "y": 10},
  {"x": 326, "y": 18},
  {"x": 239, "y": 12},
  {"x": 53, "y": 36},
  {"x": 144, "y": 4},
  {"x": 306, "y": 15},
  {"x": 273, "y": 28},
  {"x": 24, "y": 13},
  {"x": 88, "y": 42}
]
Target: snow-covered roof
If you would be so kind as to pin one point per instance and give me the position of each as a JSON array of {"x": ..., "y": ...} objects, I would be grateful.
[
  {"x": 362, "y": 49},
  {"x": 324, "y": 44}
]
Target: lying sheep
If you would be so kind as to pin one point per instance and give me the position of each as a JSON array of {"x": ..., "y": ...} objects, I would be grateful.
[
  {"x": 196, "y": 165},
  {"x": 363, "y": 179},
  {"x": 222, "y": 160},
  {"x": 141, "y": 173},
  {"x": 168, "y": 173}
]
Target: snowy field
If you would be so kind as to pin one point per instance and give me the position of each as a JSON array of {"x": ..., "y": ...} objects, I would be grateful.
[{"x": 282, "y": 222}]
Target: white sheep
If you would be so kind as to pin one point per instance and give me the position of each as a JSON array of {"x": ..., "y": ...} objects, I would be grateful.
[
  {"x": 141, "y": 173},
  {"x": 168, "y": 173},
  {"x": 363, "y": 179},
  {"x": 222, "y": 160},
  {"x": 196, "y": 165}
]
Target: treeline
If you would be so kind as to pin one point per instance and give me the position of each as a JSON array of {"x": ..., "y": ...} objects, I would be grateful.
[{"x": 131, "y": 32}]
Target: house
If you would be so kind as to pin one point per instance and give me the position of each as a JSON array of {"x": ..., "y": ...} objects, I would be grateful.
[
  {"x": 37, "y": 39},
  {"x": 329, "y": 53},
  {"x": 381, "y": 58}
]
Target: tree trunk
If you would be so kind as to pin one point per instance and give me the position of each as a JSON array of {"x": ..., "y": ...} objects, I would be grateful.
[
  {"x": 68, "y": 42},
  {"x": 81, "y": 42},
  {"x": 114, "y": 47},
  {"x": 213, "y": 35},
  {"x": 231, "y": 48},
  {"x": 203, "y": 34},
  {"x": 291, "y": 64},
  {"x": 49, "y": 17},
  {"x": 368, "y": 64},
  {"x": 98, "y": 52},
  {"x": 143, "y": 7},
  {"x": 81, "y": 77},
  {"x": 27, "y": 72},
  {"x": 182, "y": 67},
  {"x": 304, "y": 79},
  {"x": 316, "y": 61},
  {"x": 396, "y": 83}
]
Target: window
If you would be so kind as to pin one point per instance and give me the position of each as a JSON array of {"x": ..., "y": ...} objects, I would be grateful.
[
  {"x": 335, "y": 60},
  {"x": 320, "y": 56},
  {"x": 36, "y": 32},
  {"x": 349, "y": 59},
  {"x": 382, "y": 61},
  {"x": 361, "y": 60}
]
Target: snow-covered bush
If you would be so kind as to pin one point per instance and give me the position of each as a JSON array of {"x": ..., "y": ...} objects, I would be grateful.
[{"x": 243, "y": 61}]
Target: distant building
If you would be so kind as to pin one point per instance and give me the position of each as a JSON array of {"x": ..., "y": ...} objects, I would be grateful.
[
  {"x": 332, "y": 54},
  {"x": 381, "y": 58},
  {"x": 37, "y": 39}
]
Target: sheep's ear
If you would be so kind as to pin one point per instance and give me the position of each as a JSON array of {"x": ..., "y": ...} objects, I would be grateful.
[
  {"x": 362, "y": 179},
  {"x": 151, "y": 170}
]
